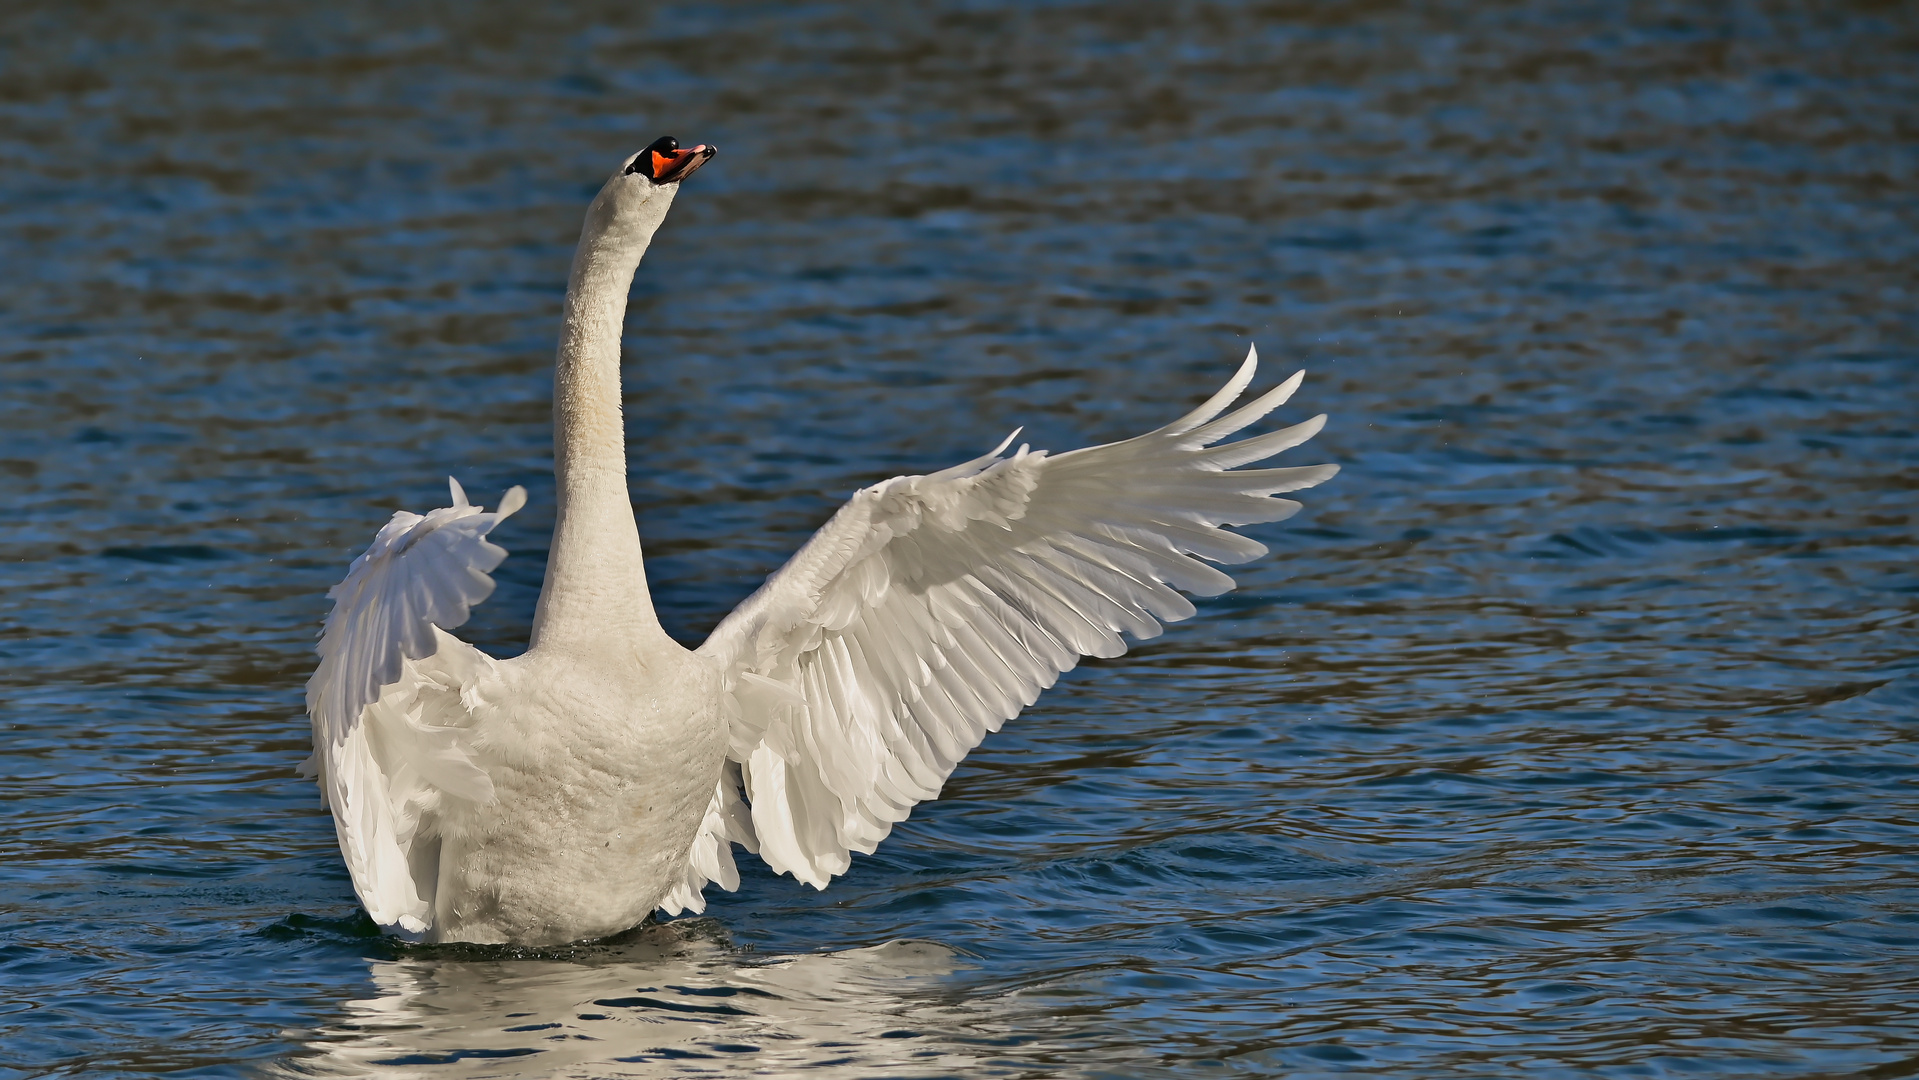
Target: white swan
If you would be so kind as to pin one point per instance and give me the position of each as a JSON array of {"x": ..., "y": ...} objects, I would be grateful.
[{"x": 568, "y": 792}]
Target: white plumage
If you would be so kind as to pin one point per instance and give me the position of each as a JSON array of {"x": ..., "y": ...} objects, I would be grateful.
[
  {"x": 388, "y": 758},
  {"x": 607, "y": 771}
]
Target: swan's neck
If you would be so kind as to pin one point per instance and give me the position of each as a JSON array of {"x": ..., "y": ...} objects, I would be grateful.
[{"x": 595, "y": 583}]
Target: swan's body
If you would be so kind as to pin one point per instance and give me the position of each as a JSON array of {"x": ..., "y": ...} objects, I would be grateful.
[{"x": 568, "y": 792}]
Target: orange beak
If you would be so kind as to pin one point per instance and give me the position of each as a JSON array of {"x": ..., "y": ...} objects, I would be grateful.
[{"x": 676, "y": 166}]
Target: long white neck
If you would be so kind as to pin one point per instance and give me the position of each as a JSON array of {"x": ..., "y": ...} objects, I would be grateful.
[{"x": 595, "y": 582}]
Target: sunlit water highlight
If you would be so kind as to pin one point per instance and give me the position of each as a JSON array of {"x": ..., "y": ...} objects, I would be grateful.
[{"x": 1569, "y": 732}]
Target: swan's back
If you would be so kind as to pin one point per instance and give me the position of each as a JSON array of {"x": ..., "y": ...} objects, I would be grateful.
[{"x": 603, "y": 763}]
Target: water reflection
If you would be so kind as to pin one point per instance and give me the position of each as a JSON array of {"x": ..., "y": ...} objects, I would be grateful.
[{"x": 666, "y": 1000}]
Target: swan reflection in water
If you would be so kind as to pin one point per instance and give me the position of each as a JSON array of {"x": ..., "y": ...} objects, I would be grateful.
[{"x": 665, "y": 1000}]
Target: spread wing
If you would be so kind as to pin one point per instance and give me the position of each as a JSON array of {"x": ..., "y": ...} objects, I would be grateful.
[
  {"x": 932, "y": 609},
  {"x": 390, "y": 734}
]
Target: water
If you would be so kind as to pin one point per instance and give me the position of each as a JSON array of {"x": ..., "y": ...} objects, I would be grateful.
[{"x": 1569, "y": 732}]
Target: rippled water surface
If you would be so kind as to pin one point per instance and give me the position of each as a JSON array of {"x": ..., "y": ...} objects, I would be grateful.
[{"x": 1569, "y": 731}]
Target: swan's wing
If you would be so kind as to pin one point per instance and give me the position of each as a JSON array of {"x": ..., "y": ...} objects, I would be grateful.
[
  {"x": 931, "y": 609},
  {"x": 389, "y": 734}
]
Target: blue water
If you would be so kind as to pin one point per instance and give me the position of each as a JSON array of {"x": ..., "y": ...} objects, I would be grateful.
[{"x": 1569, "y": 732}]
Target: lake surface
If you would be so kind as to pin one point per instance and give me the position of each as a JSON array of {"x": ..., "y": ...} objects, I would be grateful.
[{"x": 1569, "y": 732}]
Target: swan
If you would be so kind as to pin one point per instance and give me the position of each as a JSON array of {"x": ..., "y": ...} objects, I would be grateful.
[{"x": 608, "y": 771}]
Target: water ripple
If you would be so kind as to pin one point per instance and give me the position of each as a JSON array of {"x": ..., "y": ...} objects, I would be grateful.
[{"x": 1567, "y": 733}]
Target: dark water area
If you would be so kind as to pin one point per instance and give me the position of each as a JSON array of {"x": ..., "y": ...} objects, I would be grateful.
[{"x": 1568, "y": 732}]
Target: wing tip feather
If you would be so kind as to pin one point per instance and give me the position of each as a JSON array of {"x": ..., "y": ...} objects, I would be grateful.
[{"x": 1226, "y": 395}]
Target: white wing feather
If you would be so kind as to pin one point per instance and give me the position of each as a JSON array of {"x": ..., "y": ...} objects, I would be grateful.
[
  {"x": 389, "y": 734},
  {"x": 932, "y": 609}
]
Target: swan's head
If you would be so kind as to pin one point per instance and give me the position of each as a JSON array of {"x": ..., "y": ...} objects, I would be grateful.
[
  {"x": 634, "y": 201},
  {"x": 665, "y": 163}
]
